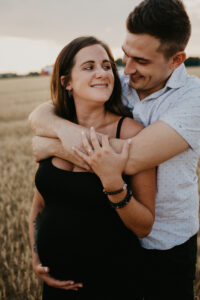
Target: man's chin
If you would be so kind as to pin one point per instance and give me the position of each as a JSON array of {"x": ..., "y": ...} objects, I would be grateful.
[{"x": 134, "y": 85}]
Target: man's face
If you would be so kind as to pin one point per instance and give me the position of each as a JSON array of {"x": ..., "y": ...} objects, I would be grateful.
[{"x": 147, "y": 67}]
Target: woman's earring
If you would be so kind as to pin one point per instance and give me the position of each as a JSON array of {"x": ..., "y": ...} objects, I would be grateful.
[{"x": 69, "y": 93}]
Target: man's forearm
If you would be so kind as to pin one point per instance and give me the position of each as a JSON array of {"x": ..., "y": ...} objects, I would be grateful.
[
  {"x": 151, "y": 146},
  {"x": 44, "y": 122}
]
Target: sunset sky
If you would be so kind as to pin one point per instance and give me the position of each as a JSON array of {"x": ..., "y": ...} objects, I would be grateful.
[{"x": 33, "y": 32}]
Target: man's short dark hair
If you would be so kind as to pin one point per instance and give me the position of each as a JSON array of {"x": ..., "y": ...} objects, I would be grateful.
[{"x": 166, "y": 20}]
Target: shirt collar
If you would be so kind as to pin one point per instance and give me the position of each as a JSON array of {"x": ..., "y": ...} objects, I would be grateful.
[{"x": 178, "y": 78}]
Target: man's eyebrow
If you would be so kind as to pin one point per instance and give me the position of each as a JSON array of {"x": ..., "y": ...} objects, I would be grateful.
[
  {"x": 136, "y": 57},
  {"x": 92, "y": 61}
]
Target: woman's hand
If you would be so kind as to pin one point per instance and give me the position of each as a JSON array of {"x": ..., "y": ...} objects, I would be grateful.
[
  {"x": 43, "y": 273},
  {"x": 102, "y": 159}
]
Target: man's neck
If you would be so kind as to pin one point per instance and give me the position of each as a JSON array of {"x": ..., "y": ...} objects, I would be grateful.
[{"x": 145, "y": 93}]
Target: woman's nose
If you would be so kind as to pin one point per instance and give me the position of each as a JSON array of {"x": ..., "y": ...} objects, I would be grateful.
[{"x": 100, "y": 72}]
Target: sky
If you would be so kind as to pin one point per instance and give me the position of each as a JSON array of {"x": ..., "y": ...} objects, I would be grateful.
[{"x": 32, "y": 33}]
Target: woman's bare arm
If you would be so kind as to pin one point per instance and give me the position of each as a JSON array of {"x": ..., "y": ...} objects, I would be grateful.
[
  {"x": 138, "y": 214},
  {"x": 43, "y": 271},
  {"x": 36, "y": 210}
]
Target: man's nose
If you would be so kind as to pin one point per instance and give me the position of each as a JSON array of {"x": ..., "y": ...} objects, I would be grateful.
[{"x": 130, "y": 66}]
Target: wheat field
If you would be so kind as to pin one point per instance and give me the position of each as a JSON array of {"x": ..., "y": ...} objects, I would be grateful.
[{"x": 18, "y": 97}]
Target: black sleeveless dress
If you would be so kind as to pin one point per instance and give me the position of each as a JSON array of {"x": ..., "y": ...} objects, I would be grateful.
[{"x": 82, "y": 238}]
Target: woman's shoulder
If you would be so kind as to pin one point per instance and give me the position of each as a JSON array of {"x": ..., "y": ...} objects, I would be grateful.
[{"x": 130, "y": 128}]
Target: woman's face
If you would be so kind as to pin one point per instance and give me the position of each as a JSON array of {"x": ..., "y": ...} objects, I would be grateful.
[{"x": 92, "y": 78}]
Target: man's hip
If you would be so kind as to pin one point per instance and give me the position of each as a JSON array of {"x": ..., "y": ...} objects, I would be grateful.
[{"x": 169, "y": 274}]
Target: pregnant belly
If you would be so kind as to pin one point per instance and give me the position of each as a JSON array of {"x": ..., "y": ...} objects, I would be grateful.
[{"x": 71, "y": 236}]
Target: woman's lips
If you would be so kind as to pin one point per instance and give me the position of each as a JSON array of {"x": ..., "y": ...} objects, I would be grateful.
[{"x": 100, "y": 85}]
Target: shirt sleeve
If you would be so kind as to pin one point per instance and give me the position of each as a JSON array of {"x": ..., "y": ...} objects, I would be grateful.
[{"x": 185, "y": 119}]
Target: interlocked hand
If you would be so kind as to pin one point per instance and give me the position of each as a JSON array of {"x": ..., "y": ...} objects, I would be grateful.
[{"x": 102, "y": 159}]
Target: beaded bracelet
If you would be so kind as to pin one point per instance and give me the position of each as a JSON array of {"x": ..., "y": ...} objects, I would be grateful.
[
  {"x": 117, "y": 191},
  {"x": 123, "y": 202}
]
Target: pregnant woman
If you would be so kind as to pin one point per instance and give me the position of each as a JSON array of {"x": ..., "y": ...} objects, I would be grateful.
[{"x": 84, "y": 225}]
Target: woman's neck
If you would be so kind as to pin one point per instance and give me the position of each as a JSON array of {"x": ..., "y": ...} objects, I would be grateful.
[{"x": 91, "y": 115}]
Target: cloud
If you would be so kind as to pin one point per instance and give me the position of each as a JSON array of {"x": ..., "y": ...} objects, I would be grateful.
[
  {"x": 43, "y": 27},
  {"x": 63, "y": 20},
  {"x": 193, "y": 8}
]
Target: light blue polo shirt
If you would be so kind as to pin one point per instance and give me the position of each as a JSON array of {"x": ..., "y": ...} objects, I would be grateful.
[{"x": 177, "y": 200}]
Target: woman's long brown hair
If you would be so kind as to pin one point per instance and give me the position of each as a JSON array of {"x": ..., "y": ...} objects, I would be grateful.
[{"x": 64, "y": 105}]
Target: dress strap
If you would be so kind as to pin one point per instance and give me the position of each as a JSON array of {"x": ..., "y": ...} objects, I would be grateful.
[{"x": 119, "y": 127}]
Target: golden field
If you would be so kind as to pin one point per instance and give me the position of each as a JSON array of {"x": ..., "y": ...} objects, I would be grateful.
[
  {"x": 194, "y": 71},
  {"x": 18, "y": 97}
]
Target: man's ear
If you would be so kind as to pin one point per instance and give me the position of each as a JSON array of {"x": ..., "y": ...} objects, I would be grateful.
[
  {"x": 68, "y": 86},
  {"x": 177, "y": 60}
]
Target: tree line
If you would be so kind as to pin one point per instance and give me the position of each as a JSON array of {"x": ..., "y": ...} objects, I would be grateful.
[{"x": 189, "y": 62}]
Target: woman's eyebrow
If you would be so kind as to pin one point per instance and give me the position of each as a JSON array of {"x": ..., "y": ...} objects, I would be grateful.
[
  {"x": 88, "y": 61},
  {"x": 92, "y": 61}
]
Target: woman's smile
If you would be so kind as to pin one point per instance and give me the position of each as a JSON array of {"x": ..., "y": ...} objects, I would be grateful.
[{"x": 100, "y": 85}]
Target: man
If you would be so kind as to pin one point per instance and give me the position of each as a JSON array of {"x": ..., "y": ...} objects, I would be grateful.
[{"x": 160, "y": 94}]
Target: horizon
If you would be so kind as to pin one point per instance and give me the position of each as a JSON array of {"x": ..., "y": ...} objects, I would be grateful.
[
  {"x": 30, "y": 40},
  {"x": 51, "y": 65}
]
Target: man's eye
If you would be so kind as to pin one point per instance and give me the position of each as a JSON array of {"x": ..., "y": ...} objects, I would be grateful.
[{"x": 142, "y": 62}]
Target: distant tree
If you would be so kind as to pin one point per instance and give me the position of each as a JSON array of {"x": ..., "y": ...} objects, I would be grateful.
[
  {"x": 33, "y": 74},
  {"x": 192, "y": 62},
  {"x": 119, "y": 62},
  {"x": 8, "y": 75}
]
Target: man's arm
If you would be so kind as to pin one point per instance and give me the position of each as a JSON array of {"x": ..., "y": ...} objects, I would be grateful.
[
  {"x": 55, "y": 136},
  {"x": 44, "y": 121},
  {"x": 153, "y": 145},
  {"x": 44, "y": 147}
]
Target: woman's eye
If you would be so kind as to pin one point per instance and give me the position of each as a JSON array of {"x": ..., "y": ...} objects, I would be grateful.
[
  {"x": 107, "y": 67},
  {"x": 88, "y": 68}
]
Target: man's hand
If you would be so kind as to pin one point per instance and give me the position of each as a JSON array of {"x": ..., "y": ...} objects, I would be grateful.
[
  {"x": 42, "y": 120},
  {"x": 43, "y": 147},
  {"x": 43, "y": 273}
]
